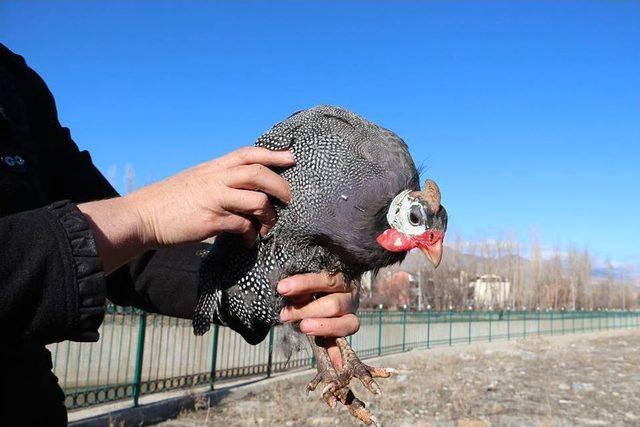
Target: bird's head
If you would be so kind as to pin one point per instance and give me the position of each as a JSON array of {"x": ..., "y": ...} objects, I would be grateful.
[{"x": 416, "y": 220}]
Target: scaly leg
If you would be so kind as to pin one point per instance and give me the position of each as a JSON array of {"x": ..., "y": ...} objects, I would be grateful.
[
  {"x": 336, "y": 385},
  {"x": 352, "y": 366}
]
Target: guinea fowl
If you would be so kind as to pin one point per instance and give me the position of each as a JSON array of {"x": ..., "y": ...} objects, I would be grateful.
[{"x": 356, "y": 206}]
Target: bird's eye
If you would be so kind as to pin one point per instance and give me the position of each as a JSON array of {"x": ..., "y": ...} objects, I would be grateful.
[{"x": 415, "y": 215}]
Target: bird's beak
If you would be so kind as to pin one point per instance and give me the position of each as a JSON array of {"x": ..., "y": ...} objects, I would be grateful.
[{"x": 433, "y": 252}]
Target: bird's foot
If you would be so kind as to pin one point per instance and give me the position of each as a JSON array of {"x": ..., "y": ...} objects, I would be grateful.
[
  {"x": 336, "y": 387},
  {"x": 352, "y": 366},
  {"x": 356, "y": 406},
  {"x": 328, "y": 376},
  {"x": 336, "y": 390}
]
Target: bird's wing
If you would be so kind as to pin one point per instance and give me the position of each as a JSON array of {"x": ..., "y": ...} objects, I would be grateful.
[{"x": 236, "y": 291}]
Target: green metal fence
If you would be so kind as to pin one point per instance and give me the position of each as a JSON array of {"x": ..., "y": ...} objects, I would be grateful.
[{"x": 140, "y": 353}]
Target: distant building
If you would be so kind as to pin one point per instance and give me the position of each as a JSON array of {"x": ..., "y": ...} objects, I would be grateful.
[
  {"x": 490, "y": 290},
  {"x": 366, "y": 282}
]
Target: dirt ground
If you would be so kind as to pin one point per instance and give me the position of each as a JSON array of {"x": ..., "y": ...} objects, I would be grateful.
[{"x": 578, "y": 380}]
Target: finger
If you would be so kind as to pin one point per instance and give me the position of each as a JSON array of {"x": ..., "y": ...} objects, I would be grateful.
[
  {"x": 251, "y": 203},
  {"x": 238, "y": 224},
  {"x": 258, "y": 177},
  {"x": 250, "y": 234},
  {"x": 342, "y": 326},
  {"x": 310, "y": 283},
  {"x": 330, "y": 305},
  {"x": 300, "y": 300},
  {"x": 251, "y": 155}
]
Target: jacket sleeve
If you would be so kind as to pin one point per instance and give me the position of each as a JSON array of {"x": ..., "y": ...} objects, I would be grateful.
[
  {"x": 163, "y": 281},
  {"x": 51, "y": 282}
]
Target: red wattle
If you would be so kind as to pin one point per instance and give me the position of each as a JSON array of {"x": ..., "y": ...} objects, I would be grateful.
[{"x": 395, "y": 241}]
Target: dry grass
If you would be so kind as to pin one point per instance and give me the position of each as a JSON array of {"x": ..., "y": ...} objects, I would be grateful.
[{"x": 563, "y": 381}]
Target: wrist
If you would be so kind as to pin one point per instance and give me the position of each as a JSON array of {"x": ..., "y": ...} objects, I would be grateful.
[
  {"x": 142, "y": 215},
  {"x": 118, "y": 229}
]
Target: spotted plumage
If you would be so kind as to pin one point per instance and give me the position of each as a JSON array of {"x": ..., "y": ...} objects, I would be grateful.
[{"x": 347, "y": 172}]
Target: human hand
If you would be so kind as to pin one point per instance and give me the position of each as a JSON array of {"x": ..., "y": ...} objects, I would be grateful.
[
  {"x": 223, "y": 195},
  {"x": 228, "y": 194},
  {"x": 325, "y": 304}
]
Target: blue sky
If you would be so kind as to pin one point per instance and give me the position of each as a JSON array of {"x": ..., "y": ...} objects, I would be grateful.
[{"x": 526, "y": 113}]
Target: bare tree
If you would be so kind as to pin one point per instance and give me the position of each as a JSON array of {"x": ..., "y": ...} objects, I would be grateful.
[
  {"x": 561, "y": 279},
  {"x": 129, "y": 179}
]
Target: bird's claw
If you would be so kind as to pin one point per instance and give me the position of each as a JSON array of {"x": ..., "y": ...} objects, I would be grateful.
[
  {"x": 330, "y": 378},
  {"x": 366, "y": 374},
  {"x": 336, "y": 390},
  {"x": 356, "y": 407},
  {"x": 336, "y": 383}
]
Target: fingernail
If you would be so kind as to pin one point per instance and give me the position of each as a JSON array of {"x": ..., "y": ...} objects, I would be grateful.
[
  {"x": 285, "y": 315},
  {"x": 290, "y": 155},
  {"x": 307, "y": 327},
  {"x": 284, "y": 287}
]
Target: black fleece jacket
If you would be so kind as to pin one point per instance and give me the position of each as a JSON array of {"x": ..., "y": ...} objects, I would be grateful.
[{"x": 52, "y": 287}]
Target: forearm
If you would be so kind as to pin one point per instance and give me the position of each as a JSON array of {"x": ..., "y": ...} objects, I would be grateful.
[{"x": 157, "y": 280}]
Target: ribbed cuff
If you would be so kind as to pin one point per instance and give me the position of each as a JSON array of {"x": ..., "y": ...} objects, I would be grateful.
[{"x": 86, "y": 299}]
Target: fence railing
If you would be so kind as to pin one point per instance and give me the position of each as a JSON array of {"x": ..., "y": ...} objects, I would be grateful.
[{"x": 141, "y": 353}]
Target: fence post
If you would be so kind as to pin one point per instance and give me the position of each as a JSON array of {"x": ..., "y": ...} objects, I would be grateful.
[
  {"x": 490, "y": 320},
  {"x": 428, "y": 326},
  {"x": 404, "y": 326},
  {"x": 379, "y": 329},
  {"x": 508, "y": 323},
  {"x": 551, "y": 319},
  {"x": 214, "y": 353},
  {"x": 599, "y": 319},
  {"x": 269, "y": 361},
  {"x": 137, "y": 376},
  {"x": 450, "y": 323},
  {"x": 470, "y": 308},
  {"x": 524, "y": 322},
  {"x": 538, "y": 318}
]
